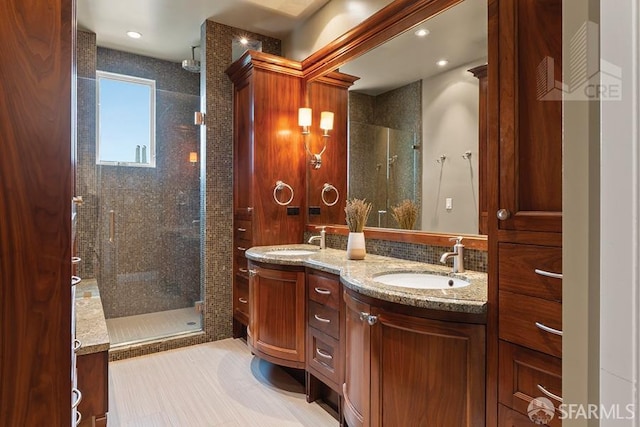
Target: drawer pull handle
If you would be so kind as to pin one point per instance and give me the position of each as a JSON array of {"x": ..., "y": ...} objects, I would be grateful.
[
  {"x": 78, "y": 418},
  {"x": 549, "y": 394},
  {"x": 77, "y": 344},
  {"x": 243, "y": 270},
  {"x": 252, "y": 272},
  {"x": 78, "y": 397},
  {"x": 75, "y": 280},
  {"x": 548, "y": 329},
  {"x": 321, "y": 319},
  {"x": 322, "y": 291},
  {"x": 75, "y": 260},
  {"x": 240, "y": 248},
  {"x": 242, "y": 230},
  {"x": 369, "y": 318},
  {"x": 323, "y": 354},
  {"x": 242, "y": 300},
  {"x": 548, "y": 274}
]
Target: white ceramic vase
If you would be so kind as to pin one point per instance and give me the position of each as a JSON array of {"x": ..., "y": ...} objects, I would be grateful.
[{"x": 356, "y": 246}]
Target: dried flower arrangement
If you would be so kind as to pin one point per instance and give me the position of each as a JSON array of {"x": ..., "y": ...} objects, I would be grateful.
[
  {"x": 357, "y": 212},
  {"x": 405, "y": 214}
]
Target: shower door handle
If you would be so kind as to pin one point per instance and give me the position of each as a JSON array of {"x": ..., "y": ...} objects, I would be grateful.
[{"x": 112, "y": 225}]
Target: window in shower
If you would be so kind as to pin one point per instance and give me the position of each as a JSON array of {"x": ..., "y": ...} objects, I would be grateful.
[{"x": 126, "y": 120}]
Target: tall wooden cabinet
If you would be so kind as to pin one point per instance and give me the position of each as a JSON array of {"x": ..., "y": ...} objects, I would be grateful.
[
  {"x": 269, "y": 175},
  {"x": 36, "y": 65},
  {"x": 525, "y": 207}
]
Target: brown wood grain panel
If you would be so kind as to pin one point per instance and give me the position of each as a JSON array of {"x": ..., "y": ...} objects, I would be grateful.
[
  {"x": 517, "y": 265},
  {"x": 243, "y": 149},
  {"x": 518, "y": 315},
  {"x": 35, "y": 201},
  {"x": 241, "y": 299},
  {"x": 93, "y": 381},
  {"x": 277, "y": 315},
  {"x": 426, "y": 370},
  {"x": 326, "y": 97},
  {"x": 480, "y": 73},
  {"x": 530, "y": 44},
  {"x": 323, "y": 318},
  {"x": 279, "y": 156},
  {"x": 521, "y": 371},
  {"x": 324, "y": 358},
  {"x": 357, "y": 374},
  {"x": 510, "y": 418},
  {"x": 324, "y": 288}
]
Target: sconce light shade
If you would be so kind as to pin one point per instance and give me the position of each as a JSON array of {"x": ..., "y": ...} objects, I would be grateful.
[
  {"x": 193, "y": 157},
  {"x": 304, "y": 117},
  {"x": 326, "y": 122}
]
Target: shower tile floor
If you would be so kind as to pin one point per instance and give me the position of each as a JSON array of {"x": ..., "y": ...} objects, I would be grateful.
[{"x": 144, "y": 327}]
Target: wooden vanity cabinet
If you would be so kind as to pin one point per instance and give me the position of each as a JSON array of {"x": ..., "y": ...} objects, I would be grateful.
[
  {"x": 93, "y": 380},
  {"x": 525, "y": 207},
  {"x": 276, "y": 330},
  {"x": 406, "y": 370},
  {"x": 267, "y": 148},
  {"x": 325, "y": 338}
]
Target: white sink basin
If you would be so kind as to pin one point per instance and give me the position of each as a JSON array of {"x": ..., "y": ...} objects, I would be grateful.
[
  {"x": 420, "y": 280},
  {"x": 290, "y": 252}
]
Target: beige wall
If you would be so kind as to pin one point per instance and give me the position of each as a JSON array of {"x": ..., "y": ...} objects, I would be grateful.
[
  {"x": 334, "y": 19},
  {"x": 450, "y": 127}
]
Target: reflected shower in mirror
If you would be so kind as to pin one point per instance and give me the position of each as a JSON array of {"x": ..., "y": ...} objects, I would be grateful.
[{"x": 409, "y": 108}]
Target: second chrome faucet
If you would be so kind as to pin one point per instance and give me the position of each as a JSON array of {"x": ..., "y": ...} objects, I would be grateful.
[
  {"x": 322, "y": 237},
  {"x": 457, "y": 255}
]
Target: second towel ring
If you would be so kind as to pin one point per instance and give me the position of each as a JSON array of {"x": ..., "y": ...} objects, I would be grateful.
[
  {"x": 325, "y": 189},
  {"x": 279, "y": 186}
]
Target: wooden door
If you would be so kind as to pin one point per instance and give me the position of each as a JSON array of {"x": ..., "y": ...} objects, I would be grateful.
[
  {"x": 277, "y": 321},
  {"x": 357, "y": 369},
  {"x": 530, "y": 115},
  {"x": 426, "y": 372},
  {"x": 36, "y": 65}
]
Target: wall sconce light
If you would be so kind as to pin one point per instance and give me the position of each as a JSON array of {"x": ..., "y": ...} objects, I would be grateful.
[
  {"x": 193, "y": 158},
  {"x": 326, "y": 124}
]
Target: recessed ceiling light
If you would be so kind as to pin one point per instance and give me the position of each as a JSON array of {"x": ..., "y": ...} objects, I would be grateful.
[
  {"x": 422, "y": 32},
  {"x": 442, "y": 63},
  {"x": 244, "y": 40},
  {"x": 134, "y": 34}
]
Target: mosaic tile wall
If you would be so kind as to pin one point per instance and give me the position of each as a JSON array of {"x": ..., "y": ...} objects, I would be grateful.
[
  {"x": 217, "y": 137},
  {"x": 153, "y": 263},
  {"x": 393, "y": 167},
  {"x": 474, "y": 259}
]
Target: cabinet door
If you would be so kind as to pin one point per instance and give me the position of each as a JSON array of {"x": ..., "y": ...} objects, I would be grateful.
[
  {"x": 357, "y": 369},
  {"x": 426, "y": 372},
  {"x": 530, "y": 115},
  {"x": 277, "y": 315}
]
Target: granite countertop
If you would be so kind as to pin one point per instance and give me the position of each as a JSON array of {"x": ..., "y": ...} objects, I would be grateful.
[
  {"x": 91, "y": 326},
  {"x": 359, "y": 276}
]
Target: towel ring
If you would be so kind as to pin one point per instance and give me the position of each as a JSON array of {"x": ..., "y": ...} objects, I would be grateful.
[
  {"x": 326, "y": 188},
  {"x": 279, "y": 186}
]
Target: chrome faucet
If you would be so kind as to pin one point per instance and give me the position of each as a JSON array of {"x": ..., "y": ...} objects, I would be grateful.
[
  {"x": 457, "y": 255},
  {"x": 322, "y": 237}
]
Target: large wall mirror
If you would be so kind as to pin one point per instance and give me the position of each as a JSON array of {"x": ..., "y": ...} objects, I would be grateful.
[{"x": 414, "y": 122}]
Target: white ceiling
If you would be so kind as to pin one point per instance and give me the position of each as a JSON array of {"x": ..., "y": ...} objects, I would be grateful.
[
  {"x": 170, "y": 27},
  {"x": 458, "y": 35}
]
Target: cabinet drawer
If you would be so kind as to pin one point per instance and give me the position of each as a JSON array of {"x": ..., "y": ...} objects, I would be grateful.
[
  {"x": 324, "y": 318},
  {"x": 324, "y": 290},
  {"x": 524, "y": 374},
  {"x": 241, "y": 266},
  {"x": 521, "y": 320},
  {"x": 529, "y": 270},
  {"x": 241, "y": 299},
  {"x": 510, "y": 418},
  {"x": 242, "y": 230},
  {"x": 323, "y": 356}
]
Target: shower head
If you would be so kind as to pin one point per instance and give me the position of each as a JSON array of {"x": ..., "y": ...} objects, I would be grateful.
[{"x": 192, "y": 64}]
